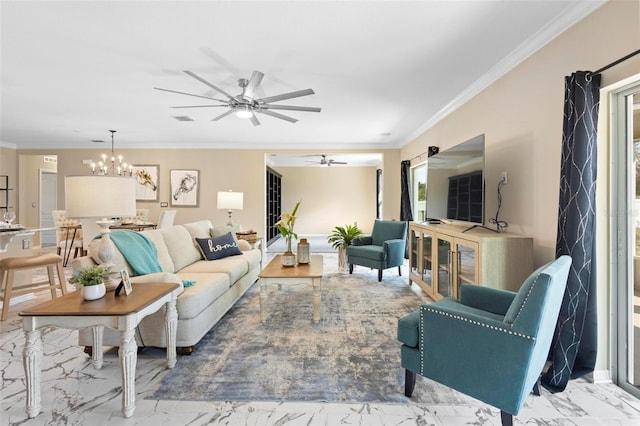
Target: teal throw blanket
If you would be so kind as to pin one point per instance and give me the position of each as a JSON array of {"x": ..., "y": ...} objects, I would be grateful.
[{"x": 140, "y": 252}]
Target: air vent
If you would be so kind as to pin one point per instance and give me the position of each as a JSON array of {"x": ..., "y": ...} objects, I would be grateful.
[
  {"x": 183, "y": 118},
  {"x": 50, "y": 159},
  {"x": 97, "y": 141}
]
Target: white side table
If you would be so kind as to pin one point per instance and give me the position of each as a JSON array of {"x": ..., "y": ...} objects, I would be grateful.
[{"x": 122, "y": 313}]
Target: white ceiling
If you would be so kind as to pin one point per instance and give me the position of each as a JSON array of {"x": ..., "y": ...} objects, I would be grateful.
[{"x": 383, "y": 71}]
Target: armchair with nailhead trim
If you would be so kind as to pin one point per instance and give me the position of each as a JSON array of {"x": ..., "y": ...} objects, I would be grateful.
[{"x": 491, "y": 344}]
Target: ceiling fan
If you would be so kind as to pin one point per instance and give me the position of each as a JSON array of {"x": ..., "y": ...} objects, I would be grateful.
[
  {"x": 245, "y": 105},
  {"x": 324, "y": 161}
]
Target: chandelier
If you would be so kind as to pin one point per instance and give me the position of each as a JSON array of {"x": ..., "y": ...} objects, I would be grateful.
[{"x": 114, "y": 167}]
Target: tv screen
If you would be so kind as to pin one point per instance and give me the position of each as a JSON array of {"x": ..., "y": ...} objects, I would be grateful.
[{"x": 455, "y": 183}]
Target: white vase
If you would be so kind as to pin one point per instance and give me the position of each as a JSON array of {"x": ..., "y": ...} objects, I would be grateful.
[
  {"x": 93, "y": 292},
  {"x": 343, "y": 266}
]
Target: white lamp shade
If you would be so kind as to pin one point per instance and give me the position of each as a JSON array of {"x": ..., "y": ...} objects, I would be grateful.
[
  {"x": 230, "y": 200},
  {"x": 100, "y": 196}
]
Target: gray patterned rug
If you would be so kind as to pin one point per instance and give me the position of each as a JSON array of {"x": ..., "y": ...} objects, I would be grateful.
[{"x": 351, "y": 355}]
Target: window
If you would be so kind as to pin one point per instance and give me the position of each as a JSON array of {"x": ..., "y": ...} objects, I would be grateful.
[{"x": 419, "y": 192}]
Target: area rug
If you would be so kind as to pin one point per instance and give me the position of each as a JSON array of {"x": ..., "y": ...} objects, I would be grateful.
[{"x": 351, "y": 355}]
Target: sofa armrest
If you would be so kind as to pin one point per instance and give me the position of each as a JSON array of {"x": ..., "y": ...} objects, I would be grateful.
[
  {"x": 82, "y": 262},
  {"x": 244, "y": 245},
  {"x": 488, "y": 299}
]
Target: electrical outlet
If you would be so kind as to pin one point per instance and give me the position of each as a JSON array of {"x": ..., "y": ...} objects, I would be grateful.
[
  {"x": 503, "y": 177},
  {"x": 26, "y": 244}
]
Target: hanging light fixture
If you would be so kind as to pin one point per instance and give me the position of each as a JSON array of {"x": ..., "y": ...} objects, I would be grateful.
[{"x": 113, "y": 165}]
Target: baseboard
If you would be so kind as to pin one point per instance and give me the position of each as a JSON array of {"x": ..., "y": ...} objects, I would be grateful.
[{"x": 601, "y": 376}]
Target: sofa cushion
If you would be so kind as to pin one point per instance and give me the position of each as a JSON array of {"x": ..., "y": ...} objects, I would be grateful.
[
  {"x": 196, "y": 298},
  {"x": 181, "y": 246},
  {"x": 200, "y": 229},
  {"x": 218, "y": 247},
  {"x": 164, "y": 259},
  {"x": 235, "y": 267},
  {"x": 217, "y": 231}
]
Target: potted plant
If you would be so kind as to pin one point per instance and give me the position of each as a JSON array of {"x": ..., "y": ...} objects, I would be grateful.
[
  {"x": 285, "y": 226},
  {"x": 340, "y": 238},
  {"x": 91, "y": 279}
]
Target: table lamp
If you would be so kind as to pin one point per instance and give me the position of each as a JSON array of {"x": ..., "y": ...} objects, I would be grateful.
[
  {"x": 230, "y": 201},
  {"x": 101, "y": 197}
]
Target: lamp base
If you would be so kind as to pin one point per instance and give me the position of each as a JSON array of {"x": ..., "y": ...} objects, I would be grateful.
[{"x": 106, "y": 250}]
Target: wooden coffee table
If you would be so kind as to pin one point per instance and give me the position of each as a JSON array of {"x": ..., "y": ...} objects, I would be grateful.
[
  {"x": 275, "y": 273},
  {"x": 122, "y": 313}
]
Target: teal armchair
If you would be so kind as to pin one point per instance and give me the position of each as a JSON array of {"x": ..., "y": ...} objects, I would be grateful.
[
  {"x": 491, "y": 344},
  {"x": 383, "y": 249}
]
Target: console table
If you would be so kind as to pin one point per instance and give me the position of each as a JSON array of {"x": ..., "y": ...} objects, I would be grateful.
[
  {"x": 122, "y": 313},
  {"x": 444, "y": 256}
]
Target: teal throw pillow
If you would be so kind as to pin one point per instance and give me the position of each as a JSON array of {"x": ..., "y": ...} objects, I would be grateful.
[{"x": 218, "y": 247}]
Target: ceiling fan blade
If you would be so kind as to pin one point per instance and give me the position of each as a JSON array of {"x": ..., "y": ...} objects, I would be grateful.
[
  {"x": 223, "y": 115},
  {"x": 200, "y": 106},
  {"x": 202, "y": 80},
  {"x": 291, "y": 108},
  {"x": 277, "y": 115},
  {"x": 250, "y": 91},
  {"x": 284, "y": 96},
  {"x": 337, "y": 162},
  {"x": 254, "y": 120},
  {"x": 190, "y": 94}
]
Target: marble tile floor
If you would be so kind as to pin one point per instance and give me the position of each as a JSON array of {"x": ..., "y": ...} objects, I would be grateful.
[{"x": 74, "y": 393}]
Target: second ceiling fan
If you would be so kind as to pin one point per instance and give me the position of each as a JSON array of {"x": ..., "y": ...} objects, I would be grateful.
[
  {"x": 324, "y": 161},
  {"x": 246, "y": 105}
]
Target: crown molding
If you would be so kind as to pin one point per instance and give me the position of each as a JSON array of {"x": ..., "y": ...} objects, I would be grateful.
[{"x": 573, "y": 14}]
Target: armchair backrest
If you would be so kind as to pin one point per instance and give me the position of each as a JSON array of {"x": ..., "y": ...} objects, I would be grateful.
[
  {"x": 384, "y": 230},
  {"x": 535, "y": 308}
]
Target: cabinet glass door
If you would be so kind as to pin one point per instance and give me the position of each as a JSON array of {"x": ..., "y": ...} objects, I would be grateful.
[
  {"x": 414, "y": 244},
  {"x": 466, "y": 265},
  {"x": 426, "y": 263},
  {"x": 444, "y": 285}
]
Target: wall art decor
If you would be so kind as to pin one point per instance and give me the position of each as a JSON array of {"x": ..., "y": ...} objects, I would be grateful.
[
  {"x": 147, "y": 182},
  {"x": 185, "y": 188}
]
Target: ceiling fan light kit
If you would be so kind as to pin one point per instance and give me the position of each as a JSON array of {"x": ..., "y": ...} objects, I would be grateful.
[{"x": 245, "y": 105}]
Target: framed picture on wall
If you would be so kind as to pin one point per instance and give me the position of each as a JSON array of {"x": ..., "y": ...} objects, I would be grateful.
[
  {"x": 185, "y": 188},
  {"x": 147, "y": 182}
]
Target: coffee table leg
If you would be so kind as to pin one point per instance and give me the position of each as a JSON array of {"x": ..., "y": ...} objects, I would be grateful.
[
  {"x": 263, "y": 299},
  {"x": 32, "y": 360},
  {"x": 170, "y": 327},
  {"x": 96, "y": 352},
  {"x": 316, "y": 299},
  {"x": 128, "y": 358}
]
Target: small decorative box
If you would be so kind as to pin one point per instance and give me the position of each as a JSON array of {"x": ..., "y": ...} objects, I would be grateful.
[{"x": 247, "y": 235}]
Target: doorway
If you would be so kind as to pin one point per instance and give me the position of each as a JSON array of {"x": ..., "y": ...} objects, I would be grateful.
[
  {"x": 625, "y": 141},
  {"x": 48, "y": 202}
]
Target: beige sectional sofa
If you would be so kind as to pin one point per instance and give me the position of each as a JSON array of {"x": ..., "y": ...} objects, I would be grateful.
[{"x": 218, "y": 283}]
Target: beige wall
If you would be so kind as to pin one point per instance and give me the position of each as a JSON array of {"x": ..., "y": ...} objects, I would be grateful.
[
  {"x": 244, "y": 171},
  {"x": 521, "y": 117},
  {"x": 331, "y": 196}
]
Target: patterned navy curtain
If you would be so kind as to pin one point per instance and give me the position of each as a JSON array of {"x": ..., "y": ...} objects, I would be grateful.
[
  {"x": 406, "y": 213},
  {"x": 573, "y": 351}
]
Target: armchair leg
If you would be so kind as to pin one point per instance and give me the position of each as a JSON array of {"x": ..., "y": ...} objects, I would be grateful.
[
  {"x": 409, "y": 382},
  {"x": 351, "y": 268},
  {"x": 536, "y": 387},
  {"x": 379, "y": 275},
  {"x": 506, "y": 418},
  {"x": 399, "y": 272}
]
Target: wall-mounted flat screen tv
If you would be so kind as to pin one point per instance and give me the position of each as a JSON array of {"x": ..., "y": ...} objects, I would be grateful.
[{"x": 455, "y": 183}]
